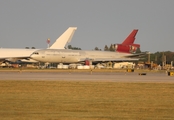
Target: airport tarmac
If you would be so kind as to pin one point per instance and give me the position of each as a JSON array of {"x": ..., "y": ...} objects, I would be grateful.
[{"x": 88, "y": 76}]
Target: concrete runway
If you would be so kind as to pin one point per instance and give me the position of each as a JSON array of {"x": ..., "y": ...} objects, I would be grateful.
[{"x": 87, "y": 76}]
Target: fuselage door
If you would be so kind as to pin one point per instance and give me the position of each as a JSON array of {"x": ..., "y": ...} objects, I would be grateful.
[{"x": 63, "y": 58}]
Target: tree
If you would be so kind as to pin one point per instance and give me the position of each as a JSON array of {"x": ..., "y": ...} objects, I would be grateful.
[
  {"x": 76, "y": 48},
  {"x": 96, "y": 48},
  {"x": 138, "y": 50},
  {"x": 106, "y": 48},
  {"x": 69, "y": 47},
  {"x": 73, "y": 48},
  {"x": 111, "y": 48}
]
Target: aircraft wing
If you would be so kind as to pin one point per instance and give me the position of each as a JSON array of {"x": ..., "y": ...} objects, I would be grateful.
[
  {"x": 115, "y": 60},
  {"x": 136, "y": 55},
  {"x": 127, "y": 58},
  {"x": 111, "y": 59},
  {"x": 13, "y": 59}
]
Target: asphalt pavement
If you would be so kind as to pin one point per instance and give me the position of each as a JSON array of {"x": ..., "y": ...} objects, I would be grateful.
[{"x": 88, "y": 76}]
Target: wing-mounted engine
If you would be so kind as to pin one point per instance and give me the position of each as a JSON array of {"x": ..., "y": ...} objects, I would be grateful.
[
  {"x": 88, "y": 61},
  {"x": 126, "y": 48}
]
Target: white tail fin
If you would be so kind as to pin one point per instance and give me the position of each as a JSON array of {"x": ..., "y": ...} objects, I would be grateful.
[{"x": 65, "y": 38}]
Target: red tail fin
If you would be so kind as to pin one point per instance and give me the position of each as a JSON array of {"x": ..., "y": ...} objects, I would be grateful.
[{"x": 131, "y": 38}]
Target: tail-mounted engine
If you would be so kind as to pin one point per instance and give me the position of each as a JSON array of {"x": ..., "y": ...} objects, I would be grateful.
[{"x": 126, "y": 48}]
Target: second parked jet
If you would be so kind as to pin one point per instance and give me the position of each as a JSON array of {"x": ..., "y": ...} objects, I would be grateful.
[{"x": 14, "y": 54}]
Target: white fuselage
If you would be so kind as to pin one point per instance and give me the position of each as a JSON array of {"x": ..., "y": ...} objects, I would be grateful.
[{"x": 73, "y": 56}]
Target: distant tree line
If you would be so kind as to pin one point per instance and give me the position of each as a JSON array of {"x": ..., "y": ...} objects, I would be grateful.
[
  {"x": 29, "y": 48},
  {"x": 160, "y": 57},
  {"x": 73, "y": 48},
  {"x": 106, "y": 48}
]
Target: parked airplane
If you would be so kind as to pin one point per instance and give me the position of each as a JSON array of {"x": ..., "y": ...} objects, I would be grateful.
[
  {"x": 67, "y": 56},
  {"x": 12, "y": 55},
  {"x": 128, "y": 45}
]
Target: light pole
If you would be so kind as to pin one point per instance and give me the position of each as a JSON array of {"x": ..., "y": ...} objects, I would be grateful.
[{"x": 48, "y": 42}]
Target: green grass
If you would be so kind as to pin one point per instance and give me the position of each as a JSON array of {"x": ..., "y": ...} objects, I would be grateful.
[{"x": 66, "y": 100}]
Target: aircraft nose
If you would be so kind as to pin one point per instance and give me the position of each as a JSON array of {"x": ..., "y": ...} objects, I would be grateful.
[{"x": 34, "y": 56}]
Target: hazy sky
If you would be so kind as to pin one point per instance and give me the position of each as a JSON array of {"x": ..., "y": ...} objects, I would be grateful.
[{"x": 27, "y": 23}]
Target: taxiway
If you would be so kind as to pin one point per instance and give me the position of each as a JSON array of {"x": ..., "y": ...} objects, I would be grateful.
[{"x": 88, "y": 76}]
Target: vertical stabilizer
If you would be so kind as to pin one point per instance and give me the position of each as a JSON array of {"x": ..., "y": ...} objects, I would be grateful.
[
  {"x": 131, "y": 38},
  {"x": 65, "y": 38}
]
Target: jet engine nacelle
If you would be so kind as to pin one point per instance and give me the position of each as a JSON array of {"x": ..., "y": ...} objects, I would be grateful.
[
  {"x": 88, "y": 62},
  {"x": 126, "y": 48}
]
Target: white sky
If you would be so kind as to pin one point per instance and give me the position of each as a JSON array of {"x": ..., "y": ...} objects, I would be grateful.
[{"x": 27, "y": 23}]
